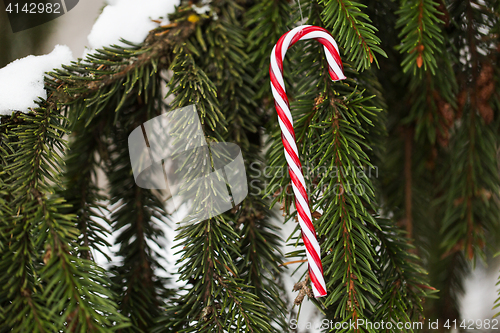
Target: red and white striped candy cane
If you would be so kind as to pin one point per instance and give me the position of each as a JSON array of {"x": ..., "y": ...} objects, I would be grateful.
[{"x": 336, "y": 71}]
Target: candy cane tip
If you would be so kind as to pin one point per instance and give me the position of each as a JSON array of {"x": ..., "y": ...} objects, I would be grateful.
[
  {"x": 336, "y": 77},
  {"x": 336, "y": 74}
]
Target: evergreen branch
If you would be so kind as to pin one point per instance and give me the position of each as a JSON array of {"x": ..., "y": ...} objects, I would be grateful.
[
  {"x": 421, "y": 35},
  {"x": 432, "y": 100},
  {"x": 128, "y": 80},
  {"x": 230, "y": 263},
  {"x": 404, "y": 282},
  {"x": 137, "y": 222},
  {"x": 81, "y": 190},
  {"x": 213, "y": 303},
  {"x": 472, "y": 210},
  {"x": 192, "y": 84},
  {"x": 216, "y": 300},
  {"x": 447, "y": 274},
  {"x": 137, "y": 214},
  {"x": 229, "y": 68},
  {"x": 20, "y": 294},
  {"x": 108, "y": 77},
  {"x": 91, "y": 84},
  {"x": 332, "y": 123},
  {"x": 349, "y": 260},
  {"x": 90, "y": 305},
  {"x": 260, "y": 259},
  {"x": 267, "y": 21},
  {"x": 70, "y": 285},
  {"x": 355, "y": 32},
  {"x": 5, "y": 213}
]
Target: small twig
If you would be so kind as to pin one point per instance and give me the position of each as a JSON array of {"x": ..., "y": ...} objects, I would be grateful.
[
  {"x": 229, "y": 269},
  {"x": 292, "y": 262},
  {"x": 303, "y": 290}
]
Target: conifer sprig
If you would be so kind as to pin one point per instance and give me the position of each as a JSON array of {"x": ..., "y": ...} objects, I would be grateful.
[
  {"x": 420, "y": 33},
  {"x": 82, "y": 192},
  {"x": 137, "y": 223},
  {"x": 47, "y": 273},
  {"x": 267, "y": 21},
  {"x": 472, "y": 210},
  {"x": 402, "y": 278},
  {"x": 230, "y": 69},
  {"x": 216, "y": 299},
  {"x": 352, "y": 28},
  {"x": 18, "y": 254},
  {"x": 105, "y": 80}
]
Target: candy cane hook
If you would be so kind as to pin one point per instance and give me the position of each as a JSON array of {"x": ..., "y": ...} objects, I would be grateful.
[{"x": 285, "y": 120}]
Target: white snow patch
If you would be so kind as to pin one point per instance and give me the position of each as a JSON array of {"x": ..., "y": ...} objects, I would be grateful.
[
  {"x": 21, "y": 81},
  {"x": 130, "y": 20},
  {"x": 200, "y": 10},
  {"x": 203, "y": 8}
]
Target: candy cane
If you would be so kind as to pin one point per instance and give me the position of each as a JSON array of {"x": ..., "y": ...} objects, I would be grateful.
[{"x": 336, "y": 71}]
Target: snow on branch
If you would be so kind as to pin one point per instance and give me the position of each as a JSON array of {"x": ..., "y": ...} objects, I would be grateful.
[
  {"x": 21, "y": 81},
  {"x": 129, "y": 19}
]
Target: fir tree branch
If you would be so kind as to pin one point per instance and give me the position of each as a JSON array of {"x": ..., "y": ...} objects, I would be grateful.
[
  {"x": 136, "y": 221},
  {"x": 472, "y": 211},
  {"x": 124, "y": 79},
  {"x": 230, "y": 69},
  {"x": 74, "y": 289},
  {"x": 229, "y": 263},
  {"x": 332, "y": 123},
  {"x": 137, "y": 214},
  {"x": 81, "y": 190},
  {"x": 421, "y": 35},
  {"x": 404, "y": 282},
  {"x": 268, "y": 20},
  {"x": 216, "y": 299},
  {"x": 93, "y": 82},
  {"x": 355, "y": 32}
]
